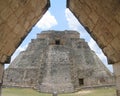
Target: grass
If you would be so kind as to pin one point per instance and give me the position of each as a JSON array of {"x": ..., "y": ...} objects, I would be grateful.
[
  {"x": 30, "y": 92},
  {"x": 21, "y": 92},
  {"x": 95, "y": 92}
]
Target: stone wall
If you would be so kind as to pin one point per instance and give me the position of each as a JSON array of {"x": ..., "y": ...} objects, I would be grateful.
[
  {"x": 17, "y": 17},
  {"x": 101, "y": 19},
  {"x": 57, "y": 77}
]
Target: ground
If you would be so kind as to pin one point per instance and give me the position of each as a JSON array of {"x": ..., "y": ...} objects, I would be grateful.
[{"x": 30, "y": 92}]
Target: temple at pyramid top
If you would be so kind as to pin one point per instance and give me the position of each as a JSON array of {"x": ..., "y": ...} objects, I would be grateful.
[
  {"x": 58, "y": 61},
  {"x": 59, "y": 34}
]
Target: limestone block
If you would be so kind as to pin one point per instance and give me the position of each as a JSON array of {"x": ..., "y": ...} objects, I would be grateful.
[
  {"x": 115, "y": 57},
  {"x": 14, "y": 4},
  {"x": 6, "y": 13},
  {"x": 4, "y": 57},
  {"x": 82, "y": 17},
  {"x": 3, "y": 3},
  {"x": 12, "y": 21},
  {"x": 19, "y": 12},
  {"x": 1, "y": 72},
  {"x": 103, "y": 40},
  {"x": 114, "y": 28},
  {"x": 109, "y": 50},
  {"x": 4, "y": 31},
  {"x": 93, "y": 16},
  {"x": 117, "y": 15},
  {"x": 100, "y": 27},
  {"x": 117, "y": 78},
  {"x": 116, "y": 68},
  {"x": 41, "y": 5},
  {"x": 86, "y": 8},
  {"x": 17, "y": 30},
  {"x": 90, "y": 24},
  {"x": 108, "y": 36},
  {"x": 115, "y": 43}
]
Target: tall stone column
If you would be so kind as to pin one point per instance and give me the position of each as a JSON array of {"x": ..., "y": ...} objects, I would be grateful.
[
  {"x": 1, "y": 76},
  {"x": 116, "y": 69}
]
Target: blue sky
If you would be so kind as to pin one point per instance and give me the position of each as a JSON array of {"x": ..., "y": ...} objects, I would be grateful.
[{"x": 58, "y": 17}]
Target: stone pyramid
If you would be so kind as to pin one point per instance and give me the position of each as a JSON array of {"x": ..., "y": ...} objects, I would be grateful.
[{"x": 57, "y": 61}]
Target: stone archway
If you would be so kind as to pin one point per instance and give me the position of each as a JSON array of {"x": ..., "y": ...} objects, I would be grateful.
[
  {"x": 17, "y": 17},
  {"x": 99, "y": 17}
]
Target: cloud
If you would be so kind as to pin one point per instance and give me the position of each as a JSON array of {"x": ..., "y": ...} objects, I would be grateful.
[
  {"x": 47, "y": 21},
  {"x": 72, "y": 21},
  {"x": 74, "y": 24}
]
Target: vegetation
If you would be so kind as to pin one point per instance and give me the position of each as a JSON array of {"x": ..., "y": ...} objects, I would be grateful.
[
  {"x": 21, "y": 92},
  {"x": 30, "y": 92}
]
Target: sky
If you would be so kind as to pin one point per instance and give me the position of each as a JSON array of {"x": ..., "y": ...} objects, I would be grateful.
[{"x": 58, "y": 17}]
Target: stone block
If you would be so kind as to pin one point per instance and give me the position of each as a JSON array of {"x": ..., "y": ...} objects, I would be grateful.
[
  {"x": 17, "y": 29},
  {"x": 14, "y": 4},
  {"x": 19, "y": 12},
  {"x": 117, "y": 15},
  {"x": 116, "y": 70},
  {"x": 117, "y": 82},
  {"x": 100, "y": 27},
  {"x": 3, "y": 31},
  {"x": 12, "y": 20},
  {"x": 94, "y": 16},
  {"x": 109, "y": 50},
  {"x": 1, "y": 72},
  {"x": 103, "y": 40},
  {"x": 117, "y": 92},
  {"x": 30, "y": 16},
  {"x": 6, "y": 13},
  {"x": 115, "y": 57},
  {"x": 114, "y": 28},
  {"x": 3, "y": 3},
  {"x": 3, "y": 59},
  {"x": 82, "y": 17},
  {"x": 86, "y": 8},
  {"x": 34, "y": 4},
  {"x": 22, "y": 20},
  {"x": 107, "y": 35},
  {"x": 27, "y": 25},
  {"x": 90, "y": 24},
  {"x": 115, "y": 43}
]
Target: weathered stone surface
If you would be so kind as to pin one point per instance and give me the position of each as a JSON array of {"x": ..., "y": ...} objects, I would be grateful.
[
  {"x": 117, "y": 77},
  {"x": 102, "y": 18},
  {"x": 1, "y": 73},
  {"x": 17, "y": 17},
  {"x": 57, "y": 61},
  {"x": 88, "y": 12}
]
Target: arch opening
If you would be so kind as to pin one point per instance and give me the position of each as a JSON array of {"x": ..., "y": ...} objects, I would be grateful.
[{"x": 63, "y": 28}]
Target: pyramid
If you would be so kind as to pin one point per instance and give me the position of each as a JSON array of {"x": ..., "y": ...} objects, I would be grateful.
[{"x": 57, "y": 61}]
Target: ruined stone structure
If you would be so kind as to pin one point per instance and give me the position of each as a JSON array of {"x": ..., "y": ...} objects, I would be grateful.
[
  {"x": 99, "y": 17},
  {"x": 57, "y": 61}
]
